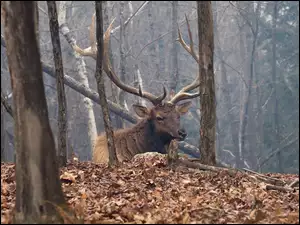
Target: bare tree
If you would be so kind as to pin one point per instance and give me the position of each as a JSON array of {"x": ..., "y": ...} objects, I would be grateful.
[
  {"x": 207, "y": 83},
  {"x": 122, "y": 93},
  {"x": 249, "y": 69},
  {"x": 100, "y": 84},
  {"x": 61, "y": 97},
  {"x": 225, "y": 91},
  {"x": 274, "y": 82},
  {"x": 174, "y": 51},
  {"x": 38, "y": 188}
]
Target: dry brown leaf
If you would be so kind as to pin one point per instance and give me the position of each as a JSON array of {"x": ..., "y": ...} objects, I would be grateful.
[
  {"x": 186, "y": 218},
  {"x": 135, "y": 192}
]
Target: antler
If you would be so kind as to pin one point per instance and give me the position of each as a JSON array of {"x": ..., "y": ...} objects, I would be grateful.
[
  {"x": 182, "y": 94},
  {"x": 92, "y": 50},
  {"x": 111, "y": 74}
]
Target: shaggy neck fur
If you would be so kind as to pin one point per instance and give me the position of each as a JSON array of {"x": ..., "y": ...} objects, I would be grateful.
[{"x": 144, "y": 138}]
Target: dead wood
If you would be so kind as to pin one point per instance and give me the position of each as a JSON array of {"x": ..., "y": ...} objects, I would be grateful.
[{"x": 279, "y": 188}]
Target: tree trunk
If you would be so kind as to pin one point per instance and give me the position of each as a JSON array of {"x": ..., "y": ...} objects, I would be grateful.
[
  {"x": 83, "y": 75},
  {"x": 3, "y": 159},
  {"x": 122, "y": 93},
  {"x": 246, "y": 102},
  {"x": 226, "y": 95},
  {"x": 274, "y": 85},
  {"x": 38, "y": 187},
  {"x": 174, "y": 51},
  {"x": 153, "y": 63},
  {"x": 207, "y": 83},
  {"x": 100, "y": 85},
  {"x": 61, "y": 97},
  {"x": 114, "y": 88}
]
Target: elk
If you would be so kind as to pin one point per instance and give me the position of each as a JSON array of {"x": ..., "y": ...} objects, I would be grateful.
[{"x": 159, "y": 125}]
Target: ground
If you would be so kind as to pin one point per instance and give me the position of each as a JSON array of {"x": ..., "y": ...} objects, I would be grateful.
[{"x": 146, "y": 190}]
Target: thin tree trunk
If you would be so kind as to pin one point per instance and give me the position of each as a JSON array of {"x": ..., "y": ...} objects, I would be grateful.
[
  {"x": 38, "y": 187},
  {"x": 153, "y": 59},
  {"x": 259, "y": 123},
  {"x": 139, "y": 83},
  {"x": 61, "y": 97},
  {"x": 138, "y": 80},
  {"x": 82, "y": 72},
  {"x": 227, "y": 97},
  {"x": 114, "y": 90},
  {"x": 122, "y": 58},
  {"x": 274, "y": 84},
  {"x": 3, "y": 159},
  {"x": 245, "y": 108},
  {"x": 174, "y": 75},
  {"x": 242, "y": 51},
  {"x": 100, "y": 85},
  {"x": 207, "y": 83}
]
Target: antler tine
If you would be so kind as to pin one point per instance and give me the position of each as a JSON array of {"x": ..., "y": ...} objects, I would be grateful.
[
  {"x": 115, "y": 79},
  {"x": 182, "y": 94},
  {"x": 93, "y": 35},
  {"x": 92, "y": 50},
  {"x": 189, "y": 49}
]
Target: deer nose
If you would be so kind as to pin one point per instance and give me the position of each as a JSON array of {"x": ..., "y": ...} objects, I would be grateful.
[{"x": 182, "y": 133}]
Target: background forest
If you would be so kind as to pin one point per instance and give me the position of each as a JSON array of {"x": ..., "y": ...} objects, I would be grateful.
[{"x": 256, "y": 65}]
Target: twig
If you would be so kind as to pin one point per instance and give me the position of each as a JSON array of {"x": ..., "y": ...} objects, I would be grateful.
[
  {"x": 294, "y": 183},
  {"x": 134, "y": 14},
  {"x": 161, "y": 36},
  {"x": 279, "y": 188},
  {"x": 200, "y": 166},
  {"x": 6, "y": 105},
  {"x": 266, "y": 179}
]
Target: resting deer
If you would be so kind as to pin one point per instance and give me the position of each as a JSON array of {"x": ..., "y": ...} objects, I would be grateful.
[{"x": 159, "y": 125}]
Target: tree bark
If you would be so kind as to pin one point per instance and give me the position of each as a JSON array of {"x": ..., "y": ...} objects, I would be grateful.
[
  {"x": 3, "y": 159},
  {"x": 38, "y": 187},
  {"x": 100, "y": 86},
  {"x": 61, "y": 96},
  {"x": 207, "y": 83},
  {"x": 122, "y": 93},
  {"x": 114, "y": 88}
]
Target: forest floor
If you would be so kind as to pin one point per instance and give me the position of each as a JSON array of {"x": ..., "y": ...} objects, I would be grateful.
[{"x": 146, "y": 190}]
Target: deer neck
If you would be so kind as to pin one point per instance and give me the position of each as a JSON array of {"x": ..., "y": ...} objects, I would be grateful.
[{"x": 148, "y": 139}]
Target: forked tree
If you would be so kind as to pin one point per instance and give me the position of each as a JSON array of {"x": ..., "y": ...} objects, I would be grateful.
[{"x": 38, "y": 188}]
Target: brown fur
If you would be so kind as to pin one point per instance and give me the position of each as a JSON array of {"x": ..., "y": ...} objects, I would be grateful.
[{"x": 149, "y": 135}]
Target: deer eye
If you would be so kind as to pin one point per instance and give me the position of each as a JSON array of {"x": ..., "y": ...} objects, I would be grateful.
[{"x": 159, "y": 118}]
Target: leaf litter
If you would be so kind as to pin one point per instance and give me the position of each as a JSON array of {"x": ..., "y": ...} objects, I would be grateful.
[{"x": 145, "y": 190}]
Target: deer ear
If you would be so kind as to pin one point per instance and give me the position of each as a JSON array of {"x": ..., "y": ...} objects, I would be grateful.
[
  {"x": 141, "y": 111},
  {"x": 184, "y": 107}
]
